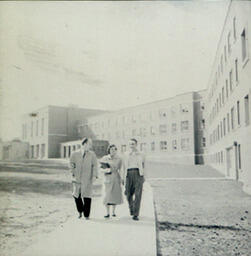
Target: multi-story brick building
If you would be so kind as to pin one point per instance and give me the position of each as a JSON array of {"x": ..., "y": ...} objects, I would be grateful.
[
  {"x": 167, "y": 128},
  {"x": 45, "y": 128},
  {"x": 228, "y": 98}
]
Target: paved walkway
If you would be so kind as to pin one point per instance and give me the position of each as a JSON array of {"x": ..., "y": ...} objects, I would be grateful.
[{"x": 120, "y": 236}]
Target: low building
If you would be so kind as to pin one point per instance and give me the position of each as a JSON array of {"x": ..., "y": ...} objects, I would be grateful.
[
  {"x": 98, "y": 146},
  {"x": 14, "y": 150},
  {"x": 44, "y": 129}
]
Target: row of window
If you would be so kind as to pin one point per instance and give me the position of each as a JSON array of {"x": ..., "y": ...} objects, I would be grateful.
[
  {"x": 228, "y": 123},
  {"x": 34, "y": 129},
  {"x": 227, "y": 52},
  {"x": 218, "y": 158},
  {"x": 37, "y": 151},
  {"x": 163, "y": 113},
  {"x": 142, "y": 132},
  {"x": 224, "y": 94},
  {"x": 163, "y": 145}
]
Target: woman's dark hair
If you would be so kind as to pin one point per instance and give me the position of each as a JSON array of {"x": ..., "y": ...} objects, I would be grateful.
[
  {"x": 111, "y": 146},
  {"x": 85, "y": 140}
]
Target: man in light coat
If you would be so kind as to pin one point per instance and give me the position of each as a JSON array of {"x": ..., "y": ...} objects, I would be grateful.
[
  {"x": 133, "y": 166},
  {"x": 83, "y": 166}
]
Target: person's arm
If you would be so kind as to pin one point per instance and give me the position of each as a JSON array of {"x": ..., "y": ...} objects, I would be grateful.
[
  {"x": 95, "y": 165},
  {"x": 120, "y": 170},
  {"x": 72, "y": 165}
]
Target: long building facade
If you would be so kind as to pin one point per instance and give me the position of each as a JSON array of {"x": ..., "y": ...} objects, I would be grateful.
[
  {"x": 228, "y": 98},
  {"x": 170, "y": 128}
]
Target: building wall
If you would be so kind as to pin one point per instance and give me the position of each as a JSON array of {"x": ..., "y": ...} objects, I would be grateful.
[
  {"x": 45, "y": 128},
  {"x": 160, "y": 128},
  {"x": 228, "y": 89},
  {"x": 14, "y": 150}
]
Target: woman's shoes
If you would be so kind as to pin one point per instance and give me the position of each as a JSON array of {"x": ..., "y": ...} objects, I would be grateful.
[
  {"x": 107, "y": 216},
  {"x": 114, "y": 215}
]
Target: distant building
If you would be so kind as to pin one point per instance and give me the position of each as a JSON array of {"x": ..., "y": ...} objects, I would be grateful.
[
  {"x": 45, "y": 128},
  {"x": 172, "y": 128},
  {"x": 228, "y": 98},
  {"x": 14, "y": 150},
  {"x": 98, "y": 146}
]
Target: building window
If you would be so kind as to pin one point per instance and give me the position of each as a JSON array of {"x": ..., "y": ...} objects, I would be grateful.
[
  {"x": 163, "y": 145},
  {"x": 163, "y": 129},
  {"x": 226, "y": 88},
  {"x": 238, "y": 113},
  {"x": 203, "y": 124},
  {"x": 225, "y": 53},
  {"x": 236, "y": 71},
  {"x": 239, "y": 156},
  {"x": 232, "y": 118},
  {"x": 183, "y": 108},
  {"x": 32, "y": 129},
  {"x": 203, "y": 142},
  {"x": 42, "y": 127},
  {"x": 229, "y": 42},
  {"x": 246, "y": 106},
  {"x": 223, "y": 95},
  {"x": 221, "y": 156},
  {"x": 224, "y": 126},
  {"x": 142, "y": 146},
  {"x": 234, "y": 27},
  {"x": 218, "y": 132},
  {"x": 174, "y": 144},
  {"x": 174, "y": 127},
  {"x": 37, "y": 127},
  {"x": 220, "y": 99},
  {"x": 221, "y": 129},
  {"x": 221, "y": 64},
  {"x": 244, "y": 44},
  {"x": 184, "y": 126},
  {"x": 152, "y": 130},
  {"x": 228, "y": 123},
  {"x": 162, "y": 113},
  {"x": 152, "y": 146},
  {"x": 231, "y": 80},
  {"x": 185, "y": 144}
]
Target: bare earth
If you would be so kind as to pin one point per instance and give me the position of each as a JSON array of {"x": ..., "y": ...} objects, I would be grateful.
[
  {"x": 194, "y": 217},
  {"x": 201, "y": 217},
  {"x": 33, "y": 201}
]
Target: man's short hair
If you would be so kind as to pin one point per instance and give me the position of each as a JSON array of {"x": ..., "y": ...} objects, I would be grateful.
[{"x": 134, "y": 140}]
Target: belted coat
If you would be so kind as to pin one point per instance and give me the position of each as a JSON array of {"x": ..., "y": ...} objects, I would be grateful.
[{"x": 83, "y": 170}]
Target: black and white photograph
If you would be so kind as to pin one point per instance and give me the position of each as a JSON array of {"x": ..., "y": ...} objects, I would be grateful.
[{"x": 125, "y": 128}]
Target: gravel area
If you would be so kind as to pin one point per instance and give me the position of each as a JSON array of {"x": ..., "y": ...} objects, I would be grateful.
[{"x": 202, "y": 217}]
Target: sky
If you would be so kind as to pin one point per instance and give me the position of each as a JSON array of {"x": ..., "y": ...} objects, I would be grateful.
[{"x": 102, "y": 55}]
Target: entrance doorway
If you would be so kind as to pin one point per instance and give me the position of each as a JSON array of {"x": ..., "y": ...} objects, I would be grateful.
[{"x": 231, "y": 163}]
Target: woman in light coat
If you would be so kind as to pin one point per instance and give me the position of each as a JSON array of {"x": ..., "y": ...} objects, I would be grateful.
[{"x": 112, "y": 180}]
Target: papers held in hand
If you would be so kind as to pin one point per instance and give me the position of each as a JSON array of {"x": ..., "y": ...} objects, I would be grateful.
[{"x": 105, "y": 168}]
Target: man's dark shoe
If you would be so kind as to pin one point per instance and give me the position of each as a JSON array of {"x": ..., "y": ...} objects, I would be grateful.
[
  {"x": 87, "y": 218},
  {"x": 107, "y": 216},
  {"x": 135, "y": 218}
]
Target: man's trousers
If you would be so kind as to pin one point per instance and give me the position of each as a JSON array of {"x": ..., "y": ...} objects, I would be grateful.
[
  {"x": 83, "y": 207},
  {"x": 134, "y": 186}
]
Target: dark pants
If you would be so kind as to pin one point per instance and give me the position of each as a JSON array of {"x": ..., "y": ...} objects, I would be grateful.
[
  {"x": 83, "y": 207},
  {"x": 134, "y": 186}
]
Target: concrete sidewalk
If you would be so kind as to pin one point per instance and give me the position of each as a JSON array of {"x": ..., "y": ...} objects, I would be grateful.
[{"x": 120, "y": 236}]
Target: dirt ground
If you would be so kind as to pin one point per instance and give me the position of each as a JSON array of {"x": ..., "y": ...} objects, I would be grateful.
[
  {"x": 202, "y": 217},
  {"x": 33, "y": 201},
  {"x": 194, "y": 217}
]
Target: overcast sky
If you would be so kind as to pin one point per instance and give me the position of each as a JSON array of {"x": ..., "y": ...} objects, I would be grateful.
[{"x": 104, "y": 55}]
